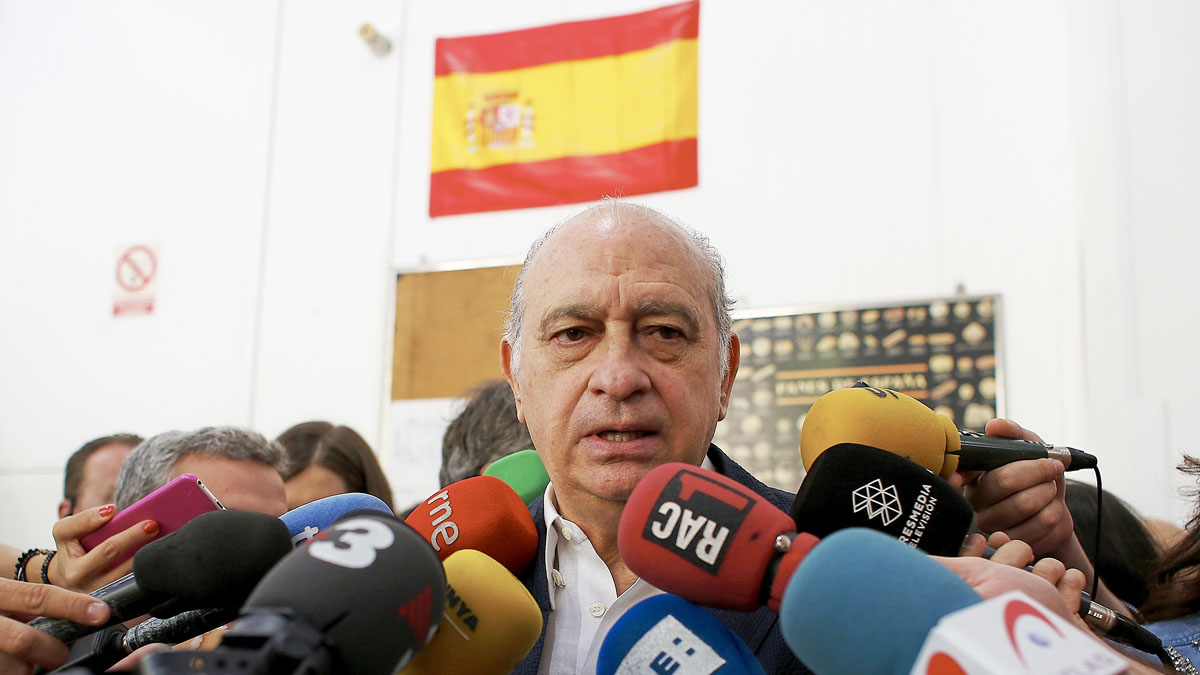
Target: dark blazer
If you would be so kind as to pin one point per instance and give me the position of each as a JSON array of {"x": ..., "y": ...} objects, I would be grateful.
[{"x": 759, "y": 629}]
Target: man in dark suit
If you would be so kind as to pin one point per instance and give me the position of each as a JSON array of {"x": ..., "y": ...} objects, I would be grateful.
[{"x": 621, "y": 356}]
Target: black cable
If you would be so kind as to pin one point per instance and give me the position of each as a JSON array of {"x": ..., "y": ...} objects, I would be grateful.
[{"x": 1096, "y": 542}]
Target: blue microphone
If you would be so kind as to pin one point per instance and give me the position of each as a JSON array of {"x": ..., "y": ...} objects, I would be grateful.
[
  {"x": 667, "y": 634},
  {"x": 305, "y": 521},
  {"x": 863, "y": 602}
]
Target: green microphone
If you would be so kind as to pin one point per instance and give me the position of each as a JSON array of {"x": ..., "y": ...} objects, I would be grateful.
[{"x": 523, "y": 471}]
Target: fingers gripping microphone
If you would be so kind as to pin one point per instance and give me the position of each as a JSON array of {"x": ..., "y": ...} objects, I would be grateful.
[
  {"x": 490, "y": 623},
  {"x": 667, "y": 634},
  {"x": 900, "y": 424},
  {"x": 702, "y": 536},
  {"x": 480, "y": 513},
  {"x": 191, "y": 568},
  {"x": 362, "y": 597},
  {"x": 853, "y": 485},
  {"x": 304, "y": 522}
]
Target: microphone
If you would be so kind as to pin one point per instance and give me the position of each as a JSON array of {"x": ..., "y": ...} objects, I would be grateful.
[
  {"x": 667, "y": 634},
  {"x": 480, "y": 513},
  {"x": 900, "y": 424},
  {"x": 490, "y": 622},
  {"x": 861, "y": 584},
  {"x": 362, "y": 597},
  {"x": 305, "y": 521},
  {"x": 702, "y": 536},
  {"x": 851, "y": 485},
  {"x": 523, "y": 471},
  {"x": 191, "y": 568}
]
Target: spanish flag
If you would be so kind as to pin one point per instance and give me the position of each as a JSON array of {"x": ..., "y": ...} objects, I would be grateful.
[{"x": 565, "y": 113}]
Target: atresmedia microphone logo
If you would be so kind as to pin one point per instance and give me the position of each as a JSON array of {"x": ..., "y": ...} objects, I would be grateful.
[{"x": 695, "y": 517}]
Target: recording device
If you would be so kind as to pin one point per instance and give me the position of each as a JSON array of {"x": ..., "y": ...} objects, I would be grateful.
[
  {"x": 480, "y": 513},
  {"x": 900, "y": 424},
  {"x": 523, "y": 471},
  {"x": 702, "y": 536},
  {"x": 887, "y": 601},
  {"x": 852, "y": 485},
  {"x": 213, "y": 561},
  {"x": 667, "y": 634},
  {"x": 490, "y": 623},
  {"x": 362, "y": 597},
  {"x": 305, "y": 521},
  {"x": 171, "y": 506}
]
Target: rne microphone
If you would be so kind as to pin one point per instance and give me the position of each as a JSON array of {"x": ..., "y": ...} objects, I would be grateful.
[
  {"x": 191, "y": 568},
  {"x": 363, "y": 597},
  {"x": 305, "y": 521},
  {"x": 851, "y": 485},
  {"x": 709, "y": 539},
  {"x": 523, "y": 471},
  {"x": 490, "y": 622},
  {"x": 480, "y": 513},
  {"x": 667, "y": 634},
  {"x": 900, "y": 424}
]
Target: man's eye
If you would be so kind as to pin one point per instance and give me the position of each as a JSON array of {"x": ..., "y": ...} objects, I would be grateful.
[
  {"x": 571, "y": 334},
  {"x": 667, "y": 332}
]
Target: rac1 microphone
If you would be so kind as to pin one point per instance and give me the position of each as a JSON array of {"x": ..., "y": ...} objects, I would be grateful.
[
  {"x": 490, "y": 623},
  {"x": 523, "y": 471},
  {"x": 480, "y": 513},
  {"x": 852, "y": 485},
  {"x": 212, "y": 561},
  {"x": 362, "y": 597},
  {"x": 900, "y": 424},
  {"x": 667, "y": 634},
  {"x": 305, "y": 521},
  {"x": 702, "y": 536}
]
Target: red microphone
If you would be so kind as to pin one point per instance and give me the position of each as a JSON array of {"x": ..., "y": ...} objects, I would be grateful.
[
  {"x": 709, "y": 539},
  {"x": 481, "y": 513}
]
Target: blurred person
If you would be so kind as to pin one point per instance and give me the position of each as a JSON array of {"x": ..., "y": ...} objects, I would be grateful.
[
  {"x": 1173, "y": 606},
  {"x": 91, "y": 473},
  {"x": 1129, "y": 555},
  {"x": 325, "y": 460},
  {"x": 486, "y": 430}
]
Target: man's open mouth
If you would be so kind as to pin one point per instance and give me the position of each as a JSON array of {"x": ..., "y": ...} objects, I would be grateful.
[{"x": 622, "y": 436}]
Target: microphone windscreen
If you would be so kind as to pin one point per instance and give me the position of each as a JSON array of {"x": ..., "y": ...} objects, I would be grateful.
[
  {"x": 880, "y": 418},
  {"x": 523, "y": 471},
  {"x": 853, "y": 485},
  {"x": 305, "y": 521},
  {"x": 700, "y": 535},
  {"x": 862, "y": 602},
  {"x": 369, "y": 584},
  {"x": 667, "y": 634},
  {"x": 214, "y": 560},
  {"x": 480, "y": 513},
  {"x": 490, "y": 623}
]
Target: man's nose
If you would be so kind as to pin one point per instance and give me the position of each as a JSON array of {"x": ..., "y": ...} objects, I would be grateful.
[{"x": 619, "y": 371}]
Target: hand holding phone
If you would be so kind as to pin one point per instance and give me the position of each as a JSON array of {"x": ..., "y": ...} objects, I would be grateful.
[{"x": 171, "y": 506}]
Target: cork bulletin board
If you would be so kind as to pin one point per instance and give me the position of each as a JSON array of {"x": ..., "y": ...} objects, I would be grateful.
[{"x": 945, "y": 352}]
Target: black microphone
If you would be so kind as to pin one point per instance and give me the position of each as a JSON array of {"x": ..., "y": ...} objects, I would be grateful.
[
  {"x": 852, "y": 485},
  {"x": 362, "y": 597},
  {"x": 213, "y": 561}
]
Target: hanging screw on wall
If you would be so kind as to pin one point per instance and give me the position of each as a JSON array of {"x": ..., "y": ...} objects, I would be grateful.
[{"x": 378, "y": 43}]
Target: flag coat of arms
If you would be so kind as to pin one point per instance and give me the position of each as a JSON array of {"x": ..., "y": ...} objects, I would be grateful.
[{"x": 566, "y": 113}]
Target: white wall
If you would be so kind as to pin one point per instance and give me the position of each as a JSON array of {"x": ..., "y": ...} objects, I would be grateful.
[{"x": 886, "y": 150}]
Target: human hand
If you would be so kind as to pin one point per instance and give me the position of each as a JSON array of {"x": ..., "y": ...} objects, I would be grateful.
[
  {"x": 23, "y": 647},
  {"x": 79, "y": 570},
  {"x": 1050, "y": 582}
]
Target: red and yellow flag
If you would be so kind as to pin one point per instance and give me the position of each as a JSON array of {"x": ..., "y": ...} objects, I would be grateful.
[{"x": 565, "y": 113}]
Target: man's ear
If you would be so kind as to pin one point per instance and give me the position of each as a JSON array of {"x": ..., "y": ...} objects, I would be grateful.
[
  {"x": 64, "y": 508},
  {"x": 735, "y": 358},
  {"x": 506, "y": 353}
]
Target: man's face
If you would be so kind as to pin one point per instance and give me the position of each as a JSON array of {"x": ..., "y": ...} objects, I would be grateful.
[
  {"x": 238, "y": 484},
  {"x": 100, "y": 471},
  {"x": 620, "y": 369}
]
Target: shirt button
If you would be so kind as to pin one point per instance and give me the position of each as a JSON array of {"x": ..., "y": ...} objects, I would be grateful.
[
  {"x": 597, "y": 609},
  {"x": 566, "y": 533},
  {"x": 558, "y": 579}
]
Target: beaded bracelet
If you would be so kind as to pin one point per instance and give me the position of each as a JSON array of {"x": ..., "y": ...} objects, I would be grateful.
[
  {"x": 46, "y": 567},
  {"x": 23, "y": 561}
]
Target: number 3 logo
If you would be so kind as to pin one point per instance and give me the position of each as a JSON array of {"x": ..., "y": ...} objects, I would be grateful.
[{"x": 353, "y": 543}]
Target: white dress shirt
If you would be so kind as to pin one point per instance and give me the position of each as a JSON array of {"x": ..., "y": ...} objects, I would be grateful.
[{"x": 584, "y": 603}]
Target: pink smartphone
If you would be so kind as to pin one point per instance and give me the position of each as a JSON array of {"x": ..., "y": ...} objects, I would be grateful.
[{"x": 171, "y": 506}]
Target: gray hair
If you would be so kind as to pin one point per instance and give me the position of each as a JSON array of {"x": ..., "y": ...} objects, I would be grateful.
[
  {"x": 148, "y": 467},
  {"x": 486, "y": 430},
  {"x": 714, "y": 264}
]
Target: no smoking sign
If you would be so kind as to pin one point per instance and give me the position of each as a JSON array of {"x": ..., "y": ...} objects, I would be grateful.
[{"x": 136, "y": 280}]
